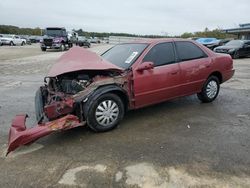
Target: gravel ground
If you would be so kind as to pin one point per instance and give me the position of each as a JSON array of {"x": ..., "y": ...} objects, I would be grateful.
[{"x": 180, "y": 143}]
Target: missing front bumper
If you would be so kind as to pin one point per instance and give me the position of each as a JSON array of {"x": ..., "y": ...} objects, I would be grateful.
[{"x": 20, "y": 135}]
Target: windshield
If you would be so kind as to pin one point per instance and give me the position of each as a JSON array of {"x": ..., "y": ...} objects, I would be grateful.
[
  {"x": 238, "y": 43},
  {"x": 124, "y": 55},
  {"x": 54, "y": 32}
]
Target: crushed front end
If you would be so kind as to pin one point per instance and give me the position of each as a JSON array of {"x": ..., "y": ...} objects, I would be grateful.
[{"x": 59, "y": 104}]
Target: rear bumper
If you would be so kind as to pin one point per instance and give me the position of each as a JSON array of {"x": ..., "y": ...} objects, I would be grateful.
[{"x": 228, "y": 74}]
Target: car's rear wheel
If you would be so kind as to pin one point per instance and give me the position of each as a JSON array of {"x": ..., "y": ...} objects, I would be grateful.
[
  {"x": 43, "y": 49},
  {"x": 11, "y": 43},
  {"x": 105, "y": 113},
  {"x": 22, "y": 43},
  {"x": 210, "y": 90}
]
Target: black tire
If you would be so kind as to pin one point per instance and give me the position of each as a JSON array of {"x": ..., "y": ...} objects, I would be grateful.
[
  {"x": 208, "y": 95},
  {"x": 92, "y": 117},
  {"x": 22, "y": 43},
  {"x": 39, "y": 105},
  {"x": 236, "y": 55},
  {"x": 11, "y": 43},
  {"x": 43, "y": 49}
]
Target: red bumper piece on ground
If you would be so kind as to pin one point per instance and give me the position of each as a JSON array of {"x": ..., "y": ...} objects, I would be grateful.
[{"x": 19, "y": 135}]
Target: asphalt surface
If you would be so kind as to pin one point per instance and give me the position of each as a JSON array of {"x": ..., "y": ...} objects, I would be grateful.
[{"x": 180, "y": 143}]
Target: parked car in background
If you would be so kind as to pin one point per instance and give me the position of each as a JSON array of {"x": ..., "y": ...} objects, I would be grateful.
[
  {"x": 0, "y": 40},
  {"x": 210, "y": 43},
  {"x": 224, "y": 41},
  {"x": 55, "y": 38},
  {"x": 12, "y": 40},
  {"x": 83, "y": 41},
  {"x": 95, "y": 40},
  {"x": 236, "y": 48},
  {"x": 26, "y": 39},
  {"x": 35, "y": 39}
]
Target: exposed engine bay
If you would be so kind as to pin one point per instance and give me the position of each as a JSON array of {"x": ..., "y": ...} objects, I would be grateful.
[
  {"x": 56, "y": 98},
  {"x": 72, "y": 83}
]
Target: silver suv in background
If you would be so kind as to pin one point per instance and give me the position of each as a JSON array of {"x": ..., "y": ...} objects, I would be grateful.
[{"x": 12, "y": 40}]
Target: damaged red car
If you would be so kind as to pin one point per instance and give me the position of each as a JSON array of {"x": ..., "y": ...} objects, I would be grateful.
[{"x": 83, "y": 87}]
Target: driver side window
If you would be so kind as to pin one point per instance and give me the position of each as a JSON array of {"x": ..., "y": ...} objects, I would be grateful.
[{"x": 161, "y": 54}]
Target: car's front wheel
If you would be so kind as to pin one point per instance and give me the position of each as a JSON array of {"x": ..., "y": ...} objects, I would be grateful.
[
  {"x": 210, "y": 90},
  {"x": 236, "y": 55},
  {"x": 105, "y": 113}
]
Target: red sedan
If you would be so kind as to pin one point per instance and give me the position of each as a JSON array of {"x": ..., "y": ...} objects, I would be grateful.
[{"x": 83, "y": 87}]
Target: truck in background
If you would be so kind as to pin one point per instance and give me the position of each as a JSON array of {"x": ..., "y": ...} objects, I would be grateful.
[{"x": 57, "y": 38}]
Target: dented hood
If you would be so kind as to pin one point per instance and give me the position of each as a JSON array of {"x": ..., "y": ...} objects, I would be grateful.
[{"x": 77, "y": 59}]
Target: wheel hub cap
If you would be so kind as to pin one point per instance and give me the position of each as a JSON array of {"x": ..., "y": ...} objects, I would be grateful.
[
  {"x": 212, "y": 89},
  {"x": 107, "y": 112}
]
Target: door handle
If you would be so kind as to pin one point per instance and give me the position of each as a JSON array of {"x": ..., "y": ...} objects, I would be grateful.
[{"x": 208, "y": 66}]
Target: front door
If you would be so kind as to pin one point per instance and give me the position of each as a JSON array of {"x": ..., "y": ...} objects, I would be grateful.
[{"x": 160, "y": 83}]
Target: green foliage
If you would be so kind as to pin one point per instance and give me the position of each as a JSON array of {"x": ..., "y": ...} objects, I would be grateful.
[
  {"x": 9, "y": 29},
  {"x": 105, "y": 34},
  {"x": 216, "y": 33},
  {"x": 187, "y": 35}
]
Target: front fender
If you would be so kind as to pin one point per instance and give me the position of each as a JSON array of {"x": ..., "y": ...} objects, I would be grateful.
[{"x": 98, "y": 92}]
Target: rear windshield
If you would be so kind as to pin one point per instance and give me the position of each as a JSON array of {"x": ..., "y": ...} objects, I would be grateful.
[
  {"x": 124, "y": 55},
  {"x": 238, "y": 43}
]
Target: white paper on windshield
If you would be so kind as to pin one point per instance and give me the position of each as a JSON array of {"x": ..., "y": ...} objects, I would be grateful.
[{"x": 131, "y": 57}]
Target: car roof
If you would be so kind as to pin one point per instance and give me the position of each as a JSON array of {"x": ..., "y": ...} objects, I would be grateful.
[
  {"x": 157, "y": 40},
  {"x": 241, "y": 40}
]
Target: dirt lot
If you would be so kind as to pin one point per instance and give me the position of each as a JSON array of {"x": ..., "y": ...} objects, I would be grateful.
[{"x": 180, "y": 143}]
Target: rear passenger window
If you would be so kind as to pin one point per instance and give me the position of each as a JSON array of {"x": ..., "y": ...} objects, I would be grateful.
[
  {"x": 161, "y": 54},
  {"x": 188, "y": 51}
]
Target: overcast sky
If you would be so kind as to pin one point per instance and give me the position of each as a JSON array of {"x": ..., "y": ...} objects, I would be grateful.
[{"x": 130, "y": 16}]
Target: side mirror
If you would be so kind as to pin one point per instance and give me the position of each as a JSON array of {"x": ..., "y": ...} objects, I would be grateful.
[{"x": 145, "y": 66}]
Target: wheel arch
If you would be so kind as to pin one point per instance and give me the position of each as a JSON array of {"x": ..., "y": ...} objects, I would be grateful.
[
  {"x": 112, "y": 88},
  {"x": 218, "y": 75}
]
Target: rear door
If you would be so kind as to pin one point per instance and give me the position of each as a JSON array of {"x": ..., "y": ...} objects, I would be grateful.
[
  {"x": 160, "y": 83},
  {"x": 195, "y": 66}
]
